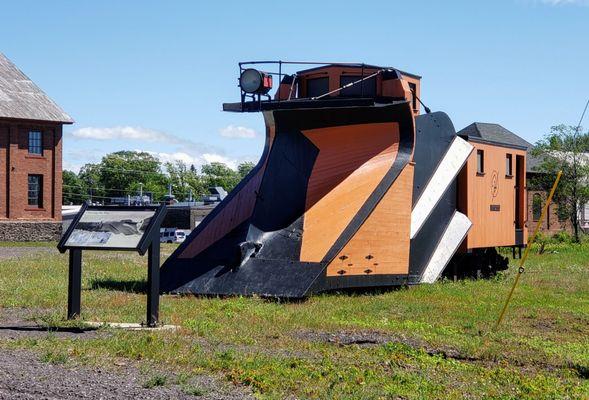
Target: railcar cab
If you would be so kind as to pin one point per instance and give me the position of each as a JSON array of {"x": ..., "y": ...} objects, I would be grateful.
[{"x": 326, "y": 85}]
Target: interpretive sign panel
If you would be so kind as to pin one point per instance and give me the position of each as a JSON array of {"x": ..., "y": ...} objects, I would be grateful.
[
  {"x": 109, "y": 228},
  {"x": 114, "y": 228}
]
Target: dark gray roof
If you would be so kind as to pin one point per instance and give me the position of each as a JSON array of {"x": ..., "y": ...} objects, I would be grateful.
[
  {"x": 497, "y": 134},
  {"x": 20, "y": 98},
  {"x": 493, "y": 133}
]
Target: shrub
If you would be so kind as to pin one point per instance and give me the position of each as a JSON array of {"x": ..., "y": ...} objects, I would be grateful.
[{"x": 562, "y": 237}]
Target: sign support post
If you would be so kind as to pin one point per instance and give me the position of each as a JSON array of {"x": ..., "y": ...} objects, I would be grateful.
[
  {"x": 74, "y": 293},
  {"x": 115, "y": 228},
  {"x": 153, "y": 281}
]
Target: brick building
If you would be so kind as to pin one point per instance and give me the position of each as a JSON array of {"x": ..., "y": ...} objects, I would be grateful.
[
  {"x": 553, "y": 223},
  {"x": 535, "y": 199},
  {"x": 30, "y": 158}
]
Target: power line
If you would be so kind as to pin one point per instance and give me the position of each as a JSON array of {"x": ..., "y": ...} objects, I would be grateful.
[
  {"x": 155, "y": 193},
  {"x": 103, "y": 189},
  {"x": 159, "y": 166},
  {"x": 87, "y": 196},
  {"x": 133, "y": 191},
  {"x": 582, "y": 116}
]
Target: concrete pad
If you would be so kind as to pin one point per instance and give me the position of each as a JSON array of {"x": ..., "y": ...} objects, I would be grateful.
[{"x": 130, "y": 326}]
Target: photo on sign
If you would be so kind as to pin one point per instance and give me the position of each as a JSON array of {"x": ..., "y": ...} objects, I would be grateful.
[{"x": 110, "y": 228}]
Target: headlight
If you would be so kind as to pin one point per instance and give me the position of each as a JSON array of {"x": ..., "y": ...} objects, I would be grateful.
[{"x": 254, "y": 81}]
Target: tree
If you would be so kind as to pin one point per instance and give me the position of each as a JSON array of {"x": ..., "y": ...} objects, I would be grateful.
[
  {"x": 127, "y": 172},
  {"x": 123, "y": 172},
  {"x": 185, "y": 181},
  {"x": 219, "y": 174},
  {"x": 244, "y": 168},
  {"x": 74, "y": 189},
  {"x": 565, "y": 148},
  {"x": 90, "y": 176}
]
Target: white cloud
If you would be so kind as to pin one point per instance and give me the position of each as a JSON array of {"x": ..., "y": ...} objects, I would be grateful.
[
  {"x": 75, "y": 159},
  {"x": 70, "y": 166},
  {"x": 130, "y": 133},
  {"x": 210, "y": 158},
  {"x": 122, "y": 133},
  {"x": 241, "y": 132},
  {"x": 167, "y": 147},
  {"x": 175, "y": 156},
  {"x": 196, "y": 160}
]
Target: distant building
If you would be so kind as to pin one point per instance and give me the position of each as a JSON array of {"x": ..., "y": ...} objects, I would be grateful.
[
  {"x": 188, "y": 214},
  {"x": 216, "y": 195},
  {"x": 30, "y": 158},
  {"x": 553, "y": 223},
  {"x": 135, "y": 200},
  {"x": 536, "y": 199}
]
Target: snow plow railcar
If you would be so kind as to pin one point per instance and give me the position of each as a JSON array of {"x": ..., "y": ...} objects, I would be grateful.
[{"x": 355, "y": 188}]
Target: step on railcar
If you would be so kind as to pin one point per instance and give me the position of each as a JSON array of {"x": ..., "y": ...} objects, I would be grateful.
[{"x": 355, "y": 188}]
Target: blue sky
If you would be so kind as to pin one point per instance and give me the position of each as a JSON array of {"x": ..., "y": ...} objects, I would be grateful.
[{"x": 152, "y": 75}]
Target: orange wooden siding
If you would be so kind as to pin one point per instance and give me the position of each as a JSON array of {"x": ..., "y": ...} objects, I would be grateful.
[
  {"x": 482, "y": 194},
  {"x": 383, "y": 88},
  {"x": 352, "y": 160},
  {"x": 381, "y": 245}
]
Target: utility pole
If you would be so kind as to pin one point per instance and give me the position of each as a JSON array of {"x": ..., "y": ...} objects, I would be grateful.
[
  {"x": 91, "y": 188},
  {"x": 141, "y": 193}
]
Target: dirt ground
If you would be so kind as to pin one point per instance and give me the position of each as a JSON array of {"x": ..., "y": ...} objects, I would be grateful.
[
  {"x": 22, "y": 251},
  {"x": 25, "y": 375}
]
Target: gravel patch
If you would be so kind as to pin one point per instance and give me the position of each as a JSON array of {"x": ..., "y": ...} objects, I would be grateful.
[
  {"x": 375, "y": 338},
  {"x": 24, "y": 376},
  {"x": 21, "y": 251},
  {"x": 19, "y": 323}
]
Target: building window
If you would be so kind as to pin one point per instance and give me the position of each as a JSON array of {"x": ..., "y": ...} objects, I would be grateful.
[
  {"x": 508, "y": 165},
  {"x": 480, "y": 162},
  {"x": 35, "y": 142},
  {"x": 536, "y": 206},
  {"x": 36, "y": 191}
]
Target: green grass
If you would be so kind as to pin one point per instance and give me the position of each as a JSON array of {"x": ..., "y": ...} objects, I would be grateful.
[
  {"x": 155, "y": 380},
  {"x": 28, "y": 244},
  {"x": 193, "y": 390},
  {"x": 54, "y": 357},
  {"x": 442, "y": 344}
]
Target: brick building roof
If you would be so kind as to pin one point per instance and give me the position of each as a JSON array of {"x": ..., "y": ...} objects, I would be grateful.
[{"x": 20, "y": 98}]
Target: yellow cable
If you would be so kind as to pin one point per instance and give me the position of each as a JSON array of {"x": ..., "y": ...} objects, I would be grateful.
[{"x": 531, "y": 240}]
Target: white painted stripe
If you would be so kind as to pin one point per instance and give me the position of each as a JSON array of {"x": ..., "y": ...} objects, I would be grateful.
[
  {"x": 445, "y": 173},
  {"x": 454, "y": 234}
]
